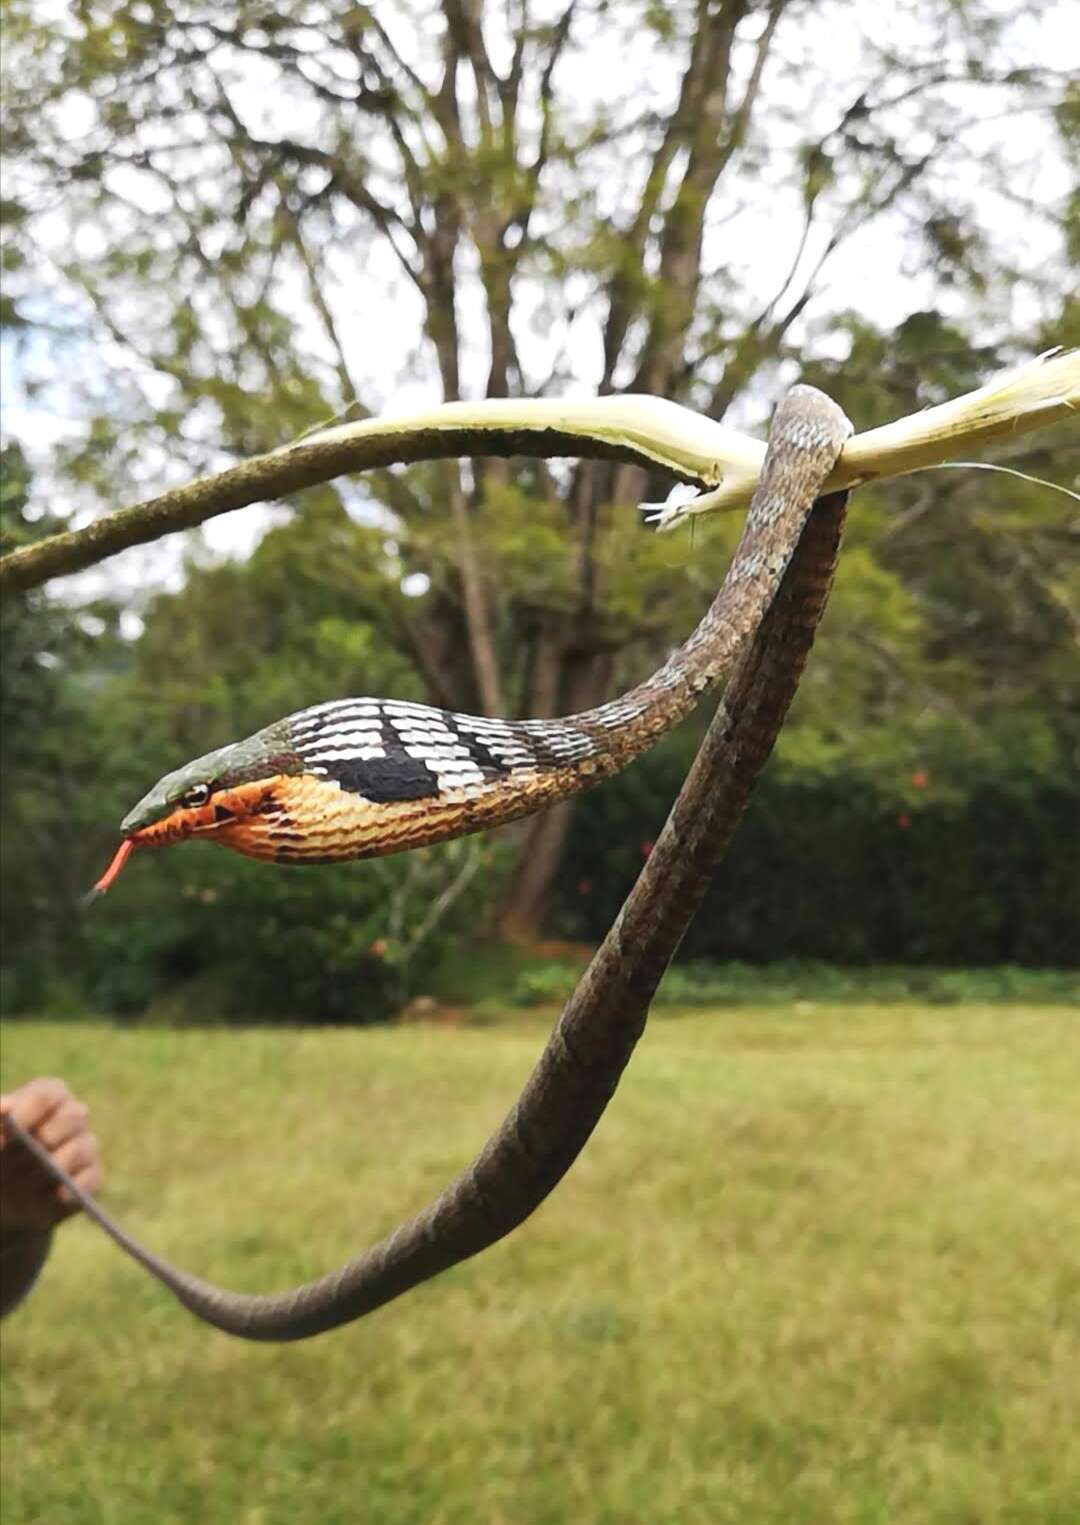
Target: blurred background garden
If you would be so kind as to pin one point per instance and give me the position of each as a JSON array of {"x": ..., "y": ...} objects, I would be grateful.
[
  {"x": 192, "y": 273},
  {"x": 223, "y": 227}
]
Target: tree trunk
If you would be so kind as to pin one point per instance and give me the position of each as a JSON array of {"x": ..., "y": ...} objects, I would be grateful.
[
  {"x": 477, "y": 605},
  {"x": 528, "y": 898},
  {"x": 539, "y": 857}
]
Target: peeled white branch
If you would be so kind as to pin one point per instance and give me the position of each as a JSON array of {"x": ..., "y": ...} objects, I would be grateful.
[
  {"x": 1029, "y": 397},
  {"x": 644, "y": 430}
]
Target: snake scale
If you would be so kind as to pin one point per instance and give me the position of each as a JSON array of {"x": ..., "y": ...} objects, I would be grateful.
[{"x": 302, "y": 791}]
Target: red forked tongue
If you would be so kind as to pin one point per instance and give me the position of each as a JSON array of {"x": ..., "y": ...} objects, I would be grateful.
[{"x": 120, "y": 857}]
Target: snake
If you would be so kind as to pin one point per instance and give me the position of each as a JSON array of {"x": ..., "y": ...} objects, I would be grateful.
[
  {"x": 363, "y": 777},
  {"x": 357, "y": 778}
]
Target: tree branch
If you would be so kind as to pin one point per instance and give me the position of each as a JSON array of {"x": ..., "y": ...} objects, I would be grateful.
[{"x": 645, "y": 431}]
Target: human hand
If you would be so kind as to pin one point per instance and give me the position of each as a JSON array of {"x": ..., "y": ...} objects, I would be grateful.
[{"x": 29, "y": 1198}]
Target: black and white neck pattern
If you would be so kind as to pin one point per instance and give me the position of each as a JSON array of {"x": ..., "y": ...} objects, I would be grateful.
[{"x": 392, "y": 749}]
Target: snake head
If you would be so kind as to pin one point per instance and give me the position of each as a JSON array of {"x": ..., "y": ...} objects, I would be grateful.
[
  {"x": 218, "y": 796},
  {"x": 179, "y": 794}
]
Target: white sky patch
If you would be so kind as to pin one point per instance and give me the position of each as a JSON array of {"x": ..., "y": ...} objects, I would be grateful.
[{"x": 415, "y": 584}]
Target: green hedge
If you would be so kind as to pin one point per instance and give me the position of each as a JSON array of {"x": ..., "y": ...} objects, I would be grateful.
[
  {"x": 198, "y": 934},
  {"x": 846, "y": 868}
]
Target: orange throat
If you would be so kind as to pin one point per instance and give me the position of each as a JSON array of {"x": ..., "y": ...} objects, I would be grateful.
[{"x": 248, "y": 818}]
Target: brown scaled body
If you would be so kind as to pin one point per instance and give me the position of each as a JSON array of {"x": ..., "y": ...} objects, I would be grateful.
[{"x": 305, "y": 819}]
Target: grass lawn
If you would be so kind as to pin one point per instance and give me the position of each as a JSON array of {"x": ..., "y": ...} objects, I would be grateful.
[{"x": 817, "y": 1265}]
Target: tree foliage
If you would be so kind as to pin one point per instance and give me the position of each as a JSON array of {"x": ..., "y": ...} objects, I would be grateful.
[
  {"x": 210, "y": 215},
  {"x": 92, "y": 721}
]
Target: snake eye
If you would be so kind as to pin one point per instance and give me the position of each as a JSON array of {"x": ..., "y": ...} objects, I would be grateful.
[{"x": 197, "y": 795}]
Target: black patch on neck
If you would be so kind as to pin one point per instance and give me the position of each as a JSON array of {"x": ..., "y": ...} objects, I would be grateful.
[{"x": 384, "y": 779}]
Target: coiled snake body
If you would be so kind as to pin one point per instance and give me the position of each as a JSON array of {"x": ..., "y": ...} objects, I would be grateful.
[{"x": 360, "y": 777}]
